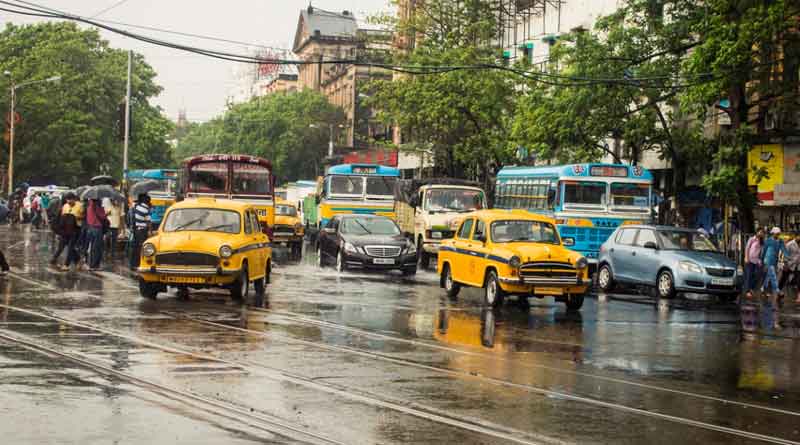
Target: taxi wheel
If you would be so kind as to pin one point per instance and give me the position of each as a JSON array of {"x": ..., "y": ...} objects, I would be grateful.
[
  {"x": 241, "y": 287},
  {"x": 450, "y": 286},
  {"x": 147, "y": 290},
  {"x": 574, "y": 302},
  {"x": 260, "y": 285},
  {"x": 665, "y": 285},
  {"x": 493, "y": 294}
]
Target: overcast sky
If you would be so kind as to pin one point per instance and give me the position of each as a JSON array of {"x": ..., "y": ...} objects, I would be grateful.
[{"x": 197, "y": 83}]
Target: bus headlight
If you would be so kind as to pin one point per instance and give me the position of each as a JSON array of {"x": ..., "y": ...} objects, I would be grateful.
[
  {"x": 582, "y": 263},
  {"x": 515, "y": 262},
  {"x": 225, "y": 251},
  {"x": 148, "y": 249}
]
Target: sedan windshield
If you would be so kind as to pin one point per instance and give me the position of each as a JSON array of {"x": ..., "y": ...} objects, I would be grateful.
[
  {"x": 454, "y": 200},
  {"x": 522, "y": 230},
  {"x": 369, "y": 226},
  {"x": 284, "y": 210},
  {"x": 202, "y": 220},
  {"x": 684, "y": 240}
]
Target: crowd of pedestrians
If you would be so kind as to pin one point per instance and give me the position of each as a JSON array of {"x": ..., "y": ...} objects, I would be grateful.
[{"x": 762, "y": 265}]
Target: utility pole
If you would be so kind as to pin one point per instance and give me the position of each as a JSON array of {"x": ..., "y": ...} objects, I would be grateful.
[
  {"x": 127, "y": 126},
  {"x": 12, "y": 118}
]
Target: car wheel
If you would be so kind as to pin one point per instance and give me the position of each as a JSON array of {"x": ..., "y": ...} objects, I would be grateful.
[
  {"x": 493, "y": 294},
  {"x": 341, "y": 266},
  {"x": 147, "y": 290},
  {"x": 409, "y": 272},
  {"x": 320, "y": 260},
  {"x": 424, "y": 257},
  {"x": 183, "y": 293},
  {"x": 665, "y": 285},
  {"x": 574, "y": 302},
  {"x": 450, "y": 286},
  {"x": 605, "y": 279},
  {"x": 241, "y": 287}
]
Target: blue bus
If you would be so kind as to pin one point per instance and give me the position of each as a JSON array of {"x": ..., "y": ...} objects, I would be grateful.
[
  {"x": 357, "y": 188},
  {"x": 160, "y": 199},
  {"x": 588, "y": 201}
]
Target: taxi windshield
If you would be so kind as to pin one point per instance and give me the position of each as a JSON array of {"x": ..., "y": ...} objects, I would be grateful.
[
  {"x": 284, "y": 210},
  {"x": 510, "y": 231},
  {"x": 202, "y": 220}
]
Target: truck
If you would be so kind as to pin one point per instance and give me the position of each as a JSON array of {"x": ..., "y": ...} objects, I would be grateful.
[{"x": 430, "y": 210}]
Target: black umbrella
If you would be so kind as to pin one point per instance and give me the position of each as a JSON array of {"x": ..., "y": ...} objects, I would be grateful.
[
  {"x": 103, "y": 180},
  {"x": 80, "y": 190},
  {"x": 144, "y": 187},
  {"x": 102, "y": 192}
]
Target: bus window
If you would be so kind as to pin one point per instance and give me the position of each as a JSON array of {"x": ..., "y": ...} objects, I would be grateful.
[
  {"x": 208, "y": 177},
  {"x": 346, "y": 185},
  {"x": 250, "y": 179},
  {"x": 382, "y": 186},
  {"x": 586, "y": 193}
]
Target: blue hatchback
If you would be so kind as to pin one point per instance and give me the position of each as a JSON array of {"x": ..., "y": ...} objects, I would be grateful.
[{"x": 670, "y": 259}]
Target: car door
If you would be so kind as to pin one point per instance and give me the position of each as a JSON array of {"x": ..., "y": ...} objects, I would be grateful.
[
  {"x": 248, "y": 246},
  {"x": 462, "y": 244},
  {"x": 622, "y": 254},
  {"x": 645, "y": 261},
  {"x": 328, "y": 238},
  {"x": 478, "y": 250},
  {"x": 262, "y": 252}
]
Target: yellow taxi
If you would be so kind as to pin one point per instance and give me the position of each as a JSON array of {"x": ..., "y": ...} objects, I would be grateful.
[
  {"x": 512, "y": 252},
  {"x": 206, "y": 243},
  {"x": 288, "y": 228}
]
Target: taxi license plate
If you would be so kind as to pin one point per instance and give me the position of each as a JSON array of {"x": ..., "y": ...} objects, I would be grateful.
[
  {"x": 548, "y": 291},
  {"x": 722, "y": 281},
  {"x": 383, "y": 261},
  {"x": 185, "y": 280}
]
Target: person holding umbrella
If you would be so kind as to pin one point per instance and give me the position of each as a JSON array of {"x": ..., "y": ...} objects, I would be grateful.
[
  {"x": 96, "y": 220},
  {"x": 67, "y": 227},
  {"x": 140, "y": 223}
]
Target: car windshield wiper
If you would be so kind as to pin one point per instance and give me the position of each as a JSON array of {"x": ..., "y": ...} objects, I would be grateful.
[
  {"x": 183, "y": 226},
  {"x": 362, "y": 226}
]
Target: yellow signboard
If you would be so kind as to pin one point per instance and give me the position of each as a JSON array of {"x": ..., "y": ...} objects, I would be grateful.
[{"x": 770, "y": 158}]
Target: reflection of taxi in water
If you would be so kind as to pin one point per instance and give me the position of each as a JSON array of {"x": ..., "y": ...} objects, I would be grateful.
[
  {"x": 512, "y": 252},
  {"x": 206, "y": 243},
  {"x": 288, "y": 228}
]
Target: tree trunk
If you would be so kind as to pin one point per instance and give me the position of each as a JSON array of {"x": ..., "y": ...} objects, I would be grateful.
[{"x": 738, "y": 100}]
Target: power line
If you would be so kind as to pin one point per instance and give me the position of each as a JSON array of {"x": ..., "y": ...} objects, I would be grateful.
[{"x": 119, "y": 3}]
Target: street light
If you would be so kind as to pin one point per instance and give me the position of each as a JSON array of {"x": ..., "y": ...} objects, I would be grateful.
[
  {"x": 12, "y": 117},
  {"x": 330, "y": 140}
]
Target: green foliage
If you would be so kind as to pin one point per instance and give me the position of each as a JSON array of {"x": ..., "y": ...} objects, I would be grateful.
[
  {"x": 276, "y": 127},
  {"x": 70, "y": 127}
]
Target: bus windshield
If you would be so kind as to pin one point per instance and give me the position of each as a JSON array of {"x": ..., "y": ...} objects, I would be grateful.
[
  {"x": 630, "y": 195},
  {"x": 457, "y": 200},
  {"x": 380, "y": 186},
  {"x": 585, "y": 193},
  {"x": 347, "y": 185},
  {"x": 208, "y": 177},
  {"x": 250, "y": 179},
  {"x": 284, "y": 210}
]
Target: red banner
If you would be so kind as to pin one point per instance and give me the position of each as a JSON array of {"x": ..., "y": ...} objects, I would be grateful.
[{"x": 380, "y": 157}]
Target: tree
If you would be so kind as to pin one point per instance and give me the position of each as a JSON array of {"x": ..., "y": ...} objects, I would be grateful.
[
  {"x": 70, "y": 127},
  {"x": 277, "y": 127},
  {"x": 462, "y": 116}
]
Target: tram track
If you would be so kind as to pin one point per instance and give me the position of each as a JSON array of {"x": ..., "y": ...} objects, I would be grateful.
[{"x": 486, "y": 379}]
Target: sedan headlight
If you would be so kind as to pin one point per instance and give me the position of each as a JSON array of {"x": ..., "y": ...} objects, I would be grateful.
[
  {"x": 515, "y": 262},
  {"x": 582, "y": 263},
  {"x": 225, "y": 251},
  {"x": 690, "y": 267},
  {"x": 350, "y": 248},
  {"x": 148, "y": 249},
  {"x": 411, "y": 249}
]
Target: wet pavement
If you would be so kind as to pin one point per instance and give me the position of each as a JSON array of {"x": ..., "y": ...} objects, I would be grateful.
[{"x": 362, "y": 358}]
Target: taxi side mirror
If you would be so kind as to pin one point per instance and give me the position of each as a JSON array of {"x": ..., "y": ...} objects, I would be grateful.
[
  {"x": 481, "y": 238},
  {"x": 568, "y": 241}
]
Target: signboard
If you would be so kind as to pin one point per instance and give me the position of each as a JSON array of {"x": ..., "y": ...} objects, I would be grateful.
[
  {"x": 770, "y": 158},
  {"x": 380, "y": 157},
  {"x": 787, "y": 194},
  {"x": 791, "y": 164},
  {"x": 365, "y": 170},
  {"x": 617, "y": 172}
]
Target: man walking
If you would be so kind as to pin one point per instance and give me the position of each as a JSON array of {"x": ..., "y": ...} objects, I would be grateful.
[
  {"x": 141, "y": 227},
  {"x": 752, "y": 262},
  {"x": 44, "y": 203},
  {"x": 773, "y": 247},
  {"x": 114, "y": 214},
  {"x": 95, "y": 220}
]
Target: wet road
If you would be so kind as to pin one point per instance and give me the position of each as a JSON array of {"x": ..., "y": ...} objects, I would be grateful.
[{"x": 372, "y": 359}]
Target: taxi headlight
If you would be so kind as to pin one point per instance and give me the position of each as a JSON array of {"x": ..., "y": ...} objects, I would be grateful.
[
  {"x": 582, "y": 263},
  {"x": 515, "y": 262},
  {"x": 225, "y": 251},
  {"x": 148, "y": 249}
]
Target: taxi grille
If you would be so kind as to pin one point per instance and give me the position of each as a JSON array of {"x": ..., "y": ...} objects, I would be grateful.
[
  {"x": 547, "y": 270},
  {"x": 382, "y": 251},
  {"x": 186, "y": 259}
]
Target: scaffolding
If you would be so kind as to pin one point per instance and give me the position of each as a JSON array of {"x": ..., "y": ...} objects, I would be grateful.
[{"x": 522, "y": 22}]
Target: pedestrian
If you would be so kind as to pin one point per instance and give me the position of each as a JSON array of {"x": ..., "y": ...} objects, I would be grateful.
[
  {"x": 44, "y": 203},
  {"x": 95, "y": 223},
  {"x": 4, "y": 268},
  {"x": 36, "y": 217},
  {"x": 67, "y": 227},
  {"x": 770, "y": 253},
  {"x": 752, "y": 262},
  {"x": 114, "y": 214},
  {"x": 140, "y": 224},
  {"x": 791, "y": 265}
]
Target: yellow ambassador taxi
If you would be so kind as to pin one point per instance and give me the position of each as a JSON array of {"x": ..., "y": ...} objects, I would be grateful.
[
  {"x": 206, "y": 243},
  {"x": 288, "y": 228},
  {"x": 512, "y": 252}
]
